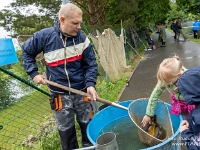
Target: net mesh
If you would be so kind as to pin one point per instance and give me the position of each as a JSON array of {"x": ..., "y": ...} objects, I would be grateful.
[
  {"x": 137, "y": 110},
  {"x": 111, "y": 53}
]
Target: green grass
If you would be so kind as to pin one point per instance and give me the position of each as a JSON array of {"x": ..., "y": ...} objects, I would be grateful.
[
  {"x": 191, "y": 38},
  {"x": 23, "y": 119}
]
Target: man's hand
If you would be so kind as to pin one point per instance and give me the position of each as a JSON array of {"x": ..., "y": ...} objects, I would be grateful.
[
  {"x": 184, "y": 125},
  {"x": 146, "y": 120},
  {"x": 91, "y": 90},
  {"x": 39, "y": 79}
]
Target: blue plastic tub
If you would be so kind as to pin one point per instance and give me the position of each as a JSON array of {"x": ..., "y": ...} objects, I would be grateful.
[{"x": 111, "y": 114}]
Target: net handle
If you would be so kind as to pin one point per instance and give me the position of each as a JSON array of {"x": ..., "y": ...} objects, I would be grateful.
[{"x": 168, "y": 113}]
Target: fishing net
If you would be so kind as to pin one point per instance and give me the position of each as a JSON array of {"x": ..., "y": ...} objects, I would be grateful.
[
  {"x": 111, "y": 52},
  {"x": 160, "y": 130}
]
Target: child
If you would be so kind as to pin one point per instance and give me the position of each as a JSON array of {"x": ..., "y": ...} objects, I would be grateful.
[
  {"x": 188, "y": 85},
  {"x": 168, "y": 73}
]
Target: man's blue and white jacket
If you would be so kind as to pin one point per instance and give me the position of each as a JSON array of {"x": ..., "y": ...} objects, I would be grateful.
[{"x": 80, "y": 68}]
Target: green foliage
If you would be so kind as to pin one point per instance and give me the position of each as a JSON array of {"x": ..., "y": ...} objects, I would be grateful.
[
  {"x": 191, "y": 16},
  {"x": 184, "y": 5},
  {"x": 22, "y": 17},
  {"x": 5, "y": 98},
  {"x": 151, "y": 12},
  {"x": 174, "y": 13},
  {"x": 110, "y": 90},
  {"x": 7, "y": 93},
  {"x": 50, "y": 142},
  {"x": 113, "y": 11},
  {"x": 188, "y": 11},
  {"x": 195, "y": 8},
  {"x": 136, "y": 13},
  {"x": 120, "y": 10},
  {"x": 189, "y": 7}
]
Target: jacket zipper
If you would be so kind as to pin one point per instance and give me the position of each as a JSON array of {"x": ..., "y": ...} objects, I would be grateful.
[{"x": 65, "y": 60}]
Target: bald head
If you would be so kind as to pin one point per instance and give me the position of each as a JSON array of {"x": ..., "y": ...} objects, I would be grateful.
[{"x": 68, "y": 9}]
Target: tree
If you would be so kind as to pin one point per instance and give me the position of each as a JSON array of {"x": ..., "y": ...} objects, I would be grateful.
[
  {"x": 117, "y": 10},
  {"x": 195, "y": 7},
  {"x": 152, "y": 11},
  {"x": 174, "y": 13},
  {"x": 94, "y": 9},
  {"x": 137, "y": 12},
  {"x": 184, "y": 5},
  {"x": 29, "y": 16},
  {"x": 190, "y": 8}
]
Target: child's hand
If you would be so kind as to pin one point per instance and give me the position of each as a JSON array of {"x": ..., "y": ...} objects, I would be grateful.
[
  {"x": 184, "y": 125},
  {"x": 146, "y": 120}
]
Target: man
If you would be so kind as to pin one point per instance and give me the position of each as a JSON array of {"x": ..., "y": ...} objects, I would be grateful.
[
  {"x": 70, "y": 61},
  {"x": 179, "y": 30}
]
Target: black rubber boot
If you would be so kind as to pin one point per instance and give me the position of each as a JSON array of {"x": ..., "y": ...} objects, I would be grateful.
[
  {"x": 68, "y": 139},
  {"x": 85, "y": 140}
]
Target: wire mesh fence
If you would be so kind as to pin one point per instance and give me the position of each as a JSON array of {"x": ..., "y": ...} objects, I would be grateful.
[
  {"x": 25, "y": 114},
  {"x": 24, "y": 109}
]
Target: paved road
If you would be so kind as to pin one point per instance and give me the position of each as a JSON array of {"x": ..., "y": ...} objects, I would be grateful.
[{"x": 144, "y": 79}]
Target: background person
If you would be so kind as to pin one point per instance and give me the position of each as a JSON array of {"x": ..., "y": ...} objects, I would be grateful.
[
  {"x": 195, "y": 28},
  {"x": 157, "y": 28},
  {"x": 70, "y": 61},
  {"x": 173, "y": 28},
  {"x": 179, "y": 30},
  {"x": 148, "y": 32},
  {"x": 162, "y": 35},
  {"x": 150, "y": 42}
]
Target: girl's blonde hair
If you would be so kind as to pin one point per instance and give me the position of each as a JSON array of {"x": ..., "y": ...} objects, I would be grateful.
[{"x": 169, "y": 69}]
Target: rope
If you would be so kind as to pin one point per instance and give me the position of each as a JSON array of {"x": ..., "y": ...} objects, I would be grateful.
[
  {"x": 134, "y": 49},
  {"x": 24, "y": 81}
]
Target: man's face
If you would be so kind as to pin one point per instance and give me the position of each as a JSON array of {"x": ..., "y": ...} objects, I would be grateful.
[{"x": 71, "y": 25}]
